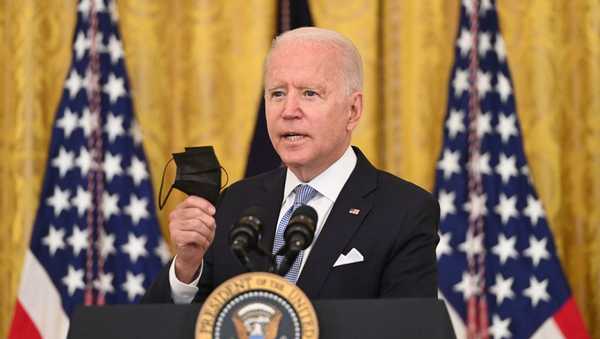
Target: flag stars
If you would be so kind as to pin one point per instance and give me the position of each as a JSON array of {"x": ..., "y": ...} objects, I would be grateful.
[
  {"x": 502, "y": 289},
  {"x": 484, "y": 83},
  {"x": 484, "y": 124},
  {"x": 485, "y": 43},
  {"x": 114, "y": 87},
  {"x": 503, "y": 87},
  {"x": 136, "y": 133},
  {"x": 455, "y": 123},
  {"x": 110, "y": 205},
  {"x": 68, "y": 122},
  {"x": 472, "y": 245},
  {"x": 137, "y": 171},
  {"x": 64, "y": 161},
  {"x": 507, "y": 167},
  {"x": 475, "y": 206},
  {"x": 112, "y": 166},
  {"x": 537, "y": 291},
  {"x": 486, "y": 5},
  {"x": 54, "y": 240},
  {"x": 78, "y": 240},
  {"x": 443, "y": 247},
  {"x": 534, "y": 210},
  {"x": 97, "y": 43},
  {"x": 480, "y": 164},
  {"x": 468, "y": 4},
  {"x": 537, "y": 250},
  {"x": 500, "y": 48},
  {"x": 84, "y": 161},
  {"x": 449, "y": 163},
  {"x": 467, "y": 286},
  {"x": 135, "y": 247},
  {"x": 507, "y": 126},
  {"x": 460, "y": 82},
  {"x": 114, "y": 13},
  {"x": 84, "y": 7},
  {"x": 73, "y": 280},
  {"x": 114, "y": 127},
  {"x": 73, "y": 83},
  {"x": 104, "y": 283},
  {"x": 162, "y": 251},
  {"x": 137, "y": 209},
  {"x": 88, "y": 122},
  {"x": 59, "y": 201},
  {"x": 134, "y": 285},
  {"x": 499, "y": 328},
  {"x": 115, "y": 49},
  {"x": 507, "y": 208},
  {"x": 107, "y": 244},
  {"x": 81, "y": 45},
  {"x": 446, "y": 201},
  {"x": 505, "y": 248},
  {"x": 465, "y": 42},
  {"x": 82, "y": 200}
]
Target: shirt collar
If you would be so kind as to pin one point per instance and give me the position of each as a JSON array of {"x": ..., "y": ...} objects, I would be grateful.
[{"x": 330, "y": 182}]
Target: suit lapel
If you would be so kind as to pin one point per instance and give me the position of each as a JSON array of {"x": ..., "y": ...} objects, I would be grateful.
[
  {"x": 271, "y": 200},
  {"x": 340, "y": 226}
]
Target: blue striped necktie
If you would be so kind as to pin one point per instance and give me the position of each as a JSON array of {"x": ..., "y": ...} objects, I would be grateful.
[{"x": 304, "y": 193}]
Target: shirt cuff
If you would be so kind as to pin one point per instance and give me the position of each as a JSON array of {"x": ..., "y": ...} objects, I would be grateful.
[{"x": 181, "y": 292}]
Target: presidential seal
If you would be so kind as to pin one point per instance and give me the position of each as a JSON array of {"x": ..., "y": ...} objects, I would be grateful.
[{"x": 257, "y": 306}]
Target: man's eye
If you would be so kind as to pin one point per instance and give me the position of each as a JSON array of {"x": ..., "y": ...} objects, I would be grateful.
[
  {"x": 277, "y": 94},
  {"x": 310, "y": 93}
]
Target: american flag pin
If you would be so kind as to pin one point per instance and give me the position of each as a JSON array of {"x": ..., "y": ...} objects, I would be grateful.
[{"x": 354, "y": 211}]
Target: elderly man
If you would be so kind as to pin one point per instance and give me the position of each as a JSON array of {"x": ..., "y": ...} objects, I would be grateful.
[{"x": 376, "y": 233}]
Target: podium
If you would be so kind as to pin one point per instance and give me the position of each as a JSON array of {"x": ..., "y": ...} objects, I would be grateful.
[{"x": 357, "y": 318}]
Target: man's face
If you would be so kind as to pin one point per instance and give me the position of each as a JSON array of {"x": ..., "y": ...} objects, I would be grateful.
[{"x": 310, "y": 115}]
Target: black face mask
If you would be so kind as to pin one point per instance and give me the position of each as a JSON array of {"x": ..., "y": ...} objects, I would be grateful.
[{"x": 198, "y": 173}]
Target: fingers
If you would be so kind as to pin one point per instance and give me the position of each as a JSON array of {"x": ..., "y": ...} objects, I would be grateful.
[
  {"x": 192, "y": 227},
  {"x": 198, "y": 202}
]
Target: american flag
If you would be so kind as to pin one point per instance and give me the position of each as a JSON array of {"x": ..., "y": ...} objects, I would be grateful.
[
  {"x": 96, "y": 239},
  {"x": 498, "y": 268}
]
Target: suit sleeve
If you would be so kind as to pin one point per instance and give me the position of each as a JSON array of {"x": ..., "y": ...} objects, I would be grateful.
[{"x": 411, "y": 270}]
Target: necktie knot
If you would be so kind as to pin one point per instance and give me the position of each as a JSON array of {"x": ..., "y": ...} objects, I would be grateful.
[{"x": 304, "y": 193}]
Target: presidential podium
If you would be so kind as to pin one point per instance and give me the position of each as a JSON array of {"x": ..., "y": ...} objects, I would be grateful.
[{"x": 359, "y": 318}]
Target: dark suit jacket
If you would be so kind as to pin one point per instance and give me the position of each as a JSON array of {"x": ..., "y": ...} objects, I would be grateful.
[{"x": 395, "y": 230}]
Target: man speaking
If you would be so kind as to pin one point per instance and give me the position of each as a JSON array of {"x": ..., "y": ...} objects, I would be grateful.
[{"x": 376, "y": 233}]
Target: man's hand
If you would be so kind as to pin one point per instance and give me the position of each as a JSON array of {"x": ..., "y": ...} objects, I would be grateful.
[{"x": 192, "y": 227}]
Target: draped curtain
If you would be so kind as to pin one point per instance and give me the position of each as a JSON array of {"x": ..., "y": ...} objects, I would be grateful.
[{"x": 196, "y": 72}]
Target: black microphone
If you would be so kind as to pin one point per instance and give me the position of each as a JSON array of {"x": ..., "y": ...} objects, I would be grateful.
[
  {"x": 298, "y": 235},
  {"x": 300, "y": 231},
  {"x": 246, "y": 233}
]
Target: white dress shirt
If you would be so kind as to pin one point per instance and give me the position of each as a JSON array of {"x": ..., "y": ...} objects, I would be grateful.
[{"x": 328, "y": 184}]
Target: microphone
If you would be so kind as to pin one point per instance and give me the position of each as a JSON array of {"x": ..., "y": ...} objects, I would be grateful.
[
  {"x": 298, "y": 235},
  {"x": 300, "y": 231},
  {"x": 246, "y": 233}
]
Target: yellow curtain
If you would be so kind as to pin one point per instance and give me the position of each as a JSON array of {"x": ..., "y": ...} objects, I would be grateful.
[{"x": 196, "y": 70}]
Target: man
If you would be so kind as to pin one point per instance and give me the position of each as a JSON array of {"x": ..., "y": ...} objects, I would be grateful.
[{"x": 376, "y": 234}]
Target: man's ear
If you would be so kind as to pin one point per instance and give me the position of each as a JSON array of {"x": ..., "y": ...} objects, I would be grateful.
[{"x": 356, "y": 109}]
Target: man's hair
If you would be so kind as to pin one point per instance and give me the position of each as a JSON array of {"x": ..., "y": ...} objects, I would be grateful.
[{"x": 352, "y": 68}]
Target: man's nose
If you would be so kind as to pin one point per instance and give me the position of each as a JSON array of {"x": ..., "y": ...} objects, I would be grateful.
[{"x": 292, "y": 107}]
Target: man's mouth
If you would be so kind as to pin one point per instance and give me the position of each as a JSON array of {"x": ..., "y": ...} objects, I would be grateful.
[{"x": 293, "y": 137}]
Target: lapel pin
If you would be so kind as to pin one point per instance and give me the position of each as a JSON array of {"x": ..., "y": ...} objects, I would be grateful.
[{"x": 354, "y": 211}]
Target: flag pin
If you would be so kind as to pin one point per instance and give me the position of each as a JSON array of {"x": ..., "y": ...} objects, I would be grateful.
[{"x": 354, "y": 211}]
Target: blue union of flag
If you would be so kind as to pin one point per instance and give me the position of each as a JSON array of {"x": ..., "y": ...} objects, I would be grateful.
[
  {"x": 96, "y": 238},
  {"x": 499, "y": 271}
]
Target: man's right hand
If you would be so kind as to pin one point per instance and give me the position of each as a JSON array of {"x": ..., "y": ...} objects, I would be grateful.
[{"x": 192, "y": 228}]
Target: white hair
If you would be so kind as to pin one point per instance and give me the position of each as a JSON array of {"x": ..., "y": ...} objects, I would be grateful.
[{"x": 352, "y": 68}]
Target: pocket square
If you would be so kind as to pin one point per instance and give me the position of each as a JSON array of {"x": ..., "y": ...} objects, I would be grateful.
[{"x": 352, "y": 257}]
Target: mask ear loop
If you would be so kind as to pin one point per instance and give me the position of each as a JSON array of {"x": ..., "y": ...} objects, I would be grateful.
[
  {"x": 161, "y": 203},
  {"x": 226, "y": 179}
]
